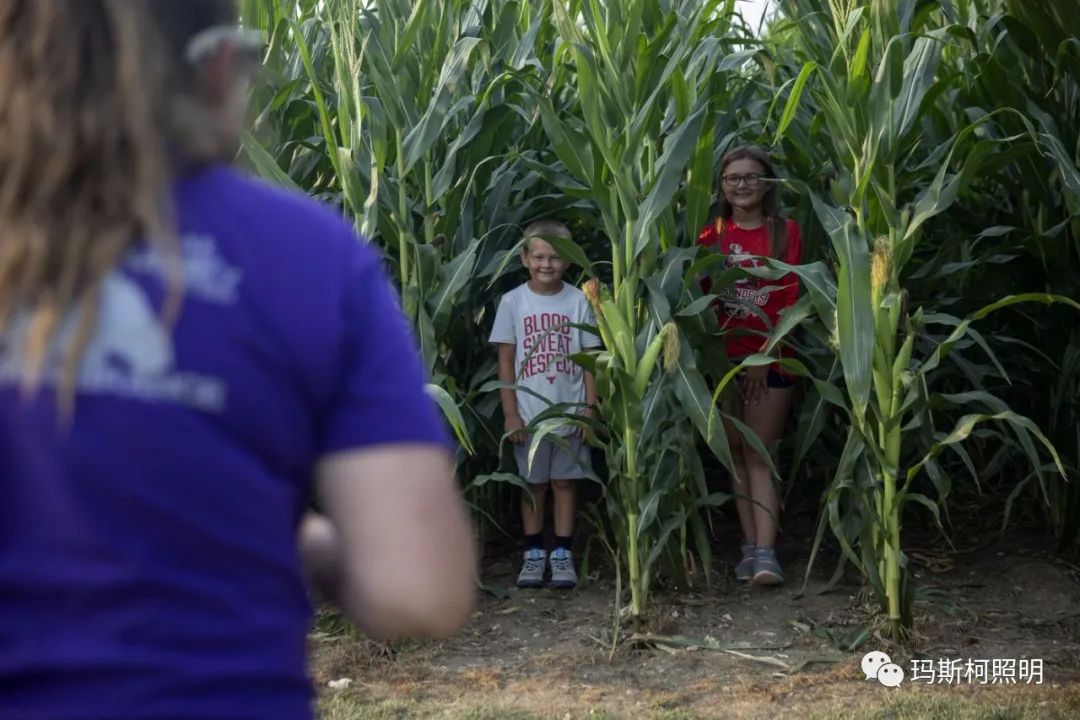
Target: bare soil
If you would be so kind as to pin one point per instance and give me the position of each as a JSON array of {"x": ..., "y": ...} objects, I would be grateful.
[{"x": 728, "y": 650}]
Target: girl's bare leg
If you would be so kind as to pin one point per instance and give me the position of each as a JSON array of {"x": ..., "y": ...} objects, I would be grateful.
[
  {"x": 766, "y": 418},
  {"x": 740, "y": 485}
]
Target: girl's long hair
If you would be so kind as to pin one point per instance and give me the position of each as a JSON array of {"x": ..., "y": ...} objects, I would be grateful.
[
  {"x": 98, "y": 109},
  {"x": 775, "y": 223}
]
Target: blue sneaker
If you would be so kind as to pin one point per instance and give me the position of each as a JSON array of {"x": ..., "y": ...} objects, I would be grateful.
[
  {"x": 532, "y": 570},
  {"x": 744, "y": 571},
  {"x": 767, "y": 567},
  {"x": 562, "y": 569}
]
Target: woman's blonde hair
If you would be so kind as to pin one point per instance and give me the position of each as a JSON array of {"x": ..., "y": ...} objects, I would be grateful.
[{"x": 98, "y": 112}]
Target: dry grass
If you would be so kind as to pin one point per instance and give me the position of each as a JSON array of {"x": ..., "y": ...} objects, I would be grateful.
[
  {"x": 835, "y": 694},
  {"x": 540, "y": 661},
  {"x": 831, "y": 703}
]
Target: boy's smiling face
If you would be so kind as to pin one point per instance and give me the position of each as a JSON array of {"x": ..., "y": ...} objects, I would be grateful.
[{"x": 545, "y": 266}]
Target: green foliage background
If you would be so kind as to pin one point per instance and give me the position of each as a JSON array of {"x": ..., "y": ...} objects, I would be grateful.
[{"x": 938, "y": 139}]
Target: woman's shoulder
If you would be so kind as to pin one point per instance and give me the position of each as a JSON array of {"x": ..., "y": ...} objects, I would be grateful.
[
  {"x": 245, "y": 211},
  {"x": 234, "y": 191}
]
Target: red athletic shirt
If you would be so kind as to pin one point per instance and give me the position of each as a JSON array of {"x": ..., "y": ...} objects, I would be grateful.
[{"x": 743, "y": 247}]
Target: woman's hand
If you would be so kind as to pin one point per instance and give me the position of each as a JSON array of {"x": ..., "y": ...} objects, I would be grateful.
[
  {"x": 320, "y": 550},
  {"x": 754, "y": 385}
]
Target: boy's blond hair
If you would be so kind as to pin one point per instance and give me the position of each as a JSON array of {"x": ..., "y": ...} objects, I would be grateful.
[{"x": 542, "y": 228}]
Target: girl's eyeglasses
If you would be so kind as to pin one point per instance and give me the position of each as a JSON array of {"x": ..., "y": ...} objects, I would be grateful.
[{"x": 750, "y": 181}]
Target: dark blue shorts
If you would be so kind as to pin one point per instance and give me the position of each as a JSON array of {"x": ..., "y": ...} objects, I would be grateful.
[
  {"x": 779, "y": 380},
  {"x": 776, "y": 377}
]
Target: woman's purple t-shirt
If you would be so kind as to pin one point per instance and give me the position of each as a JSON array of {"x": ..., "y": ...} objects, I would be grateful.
[{"x": 148, "y": 560}]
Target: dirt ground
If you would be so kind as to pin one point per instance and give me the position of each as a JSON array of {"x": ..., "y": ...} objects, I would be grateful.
[{"x": 729, "y": 651}]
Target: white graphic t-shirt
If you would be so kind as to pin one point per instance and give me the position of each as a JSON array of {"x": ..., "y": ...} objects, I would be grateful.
[{"x": 539, "y": 328}]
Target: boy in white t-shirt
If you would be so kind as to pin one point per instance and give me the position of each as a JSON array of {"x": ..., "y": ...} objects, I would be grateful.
[{"x": 535, "y": 341}]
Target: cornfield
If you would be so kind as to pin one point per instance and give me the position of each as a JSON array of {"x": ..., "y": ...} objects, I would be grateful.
[{"x": 930, "y": 153}]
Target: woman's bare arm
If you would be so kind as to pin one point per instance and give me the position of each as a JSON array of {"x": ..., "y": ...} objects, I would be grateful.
[{"x": 396, "y": 549}]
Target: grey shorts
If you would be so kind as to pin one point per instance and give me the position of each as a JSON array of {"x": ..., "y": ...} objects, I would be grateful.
[{"x": 553, "y": 462}]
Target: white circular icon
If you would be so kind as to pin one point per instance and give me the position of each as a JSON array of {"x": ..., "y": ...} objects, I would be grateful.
[
  {"x": 890, "y": 675},
  {"x": 872, "y": 662}
]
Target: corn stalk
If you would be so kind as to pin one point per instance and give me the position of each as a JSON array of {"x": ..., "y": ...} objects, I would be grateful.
[
  {"x": 640, "y": 128},
  {"x": 870, "y": 68},
  {"x": 405, "y": 115},
  {"x": 938, "y": 147}
]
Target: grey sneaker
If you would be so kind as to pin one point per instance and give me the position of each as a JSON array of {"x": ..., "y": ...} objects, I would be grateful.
[
  {"x": 767, "y": 567},
  {"x": 744, "y": 571},
  {"x": 562, "y": 569},
  {"x": 532, "y": 570}
]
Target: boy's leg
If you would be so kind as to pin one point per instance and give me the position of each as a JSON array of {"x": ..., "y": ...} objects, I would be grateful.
[
  {"x": 565, "y": 498},
  {"x": 567, "y": 468},
  {"x": 532, "y": 512},
  {"x": 536, "y": 475}
]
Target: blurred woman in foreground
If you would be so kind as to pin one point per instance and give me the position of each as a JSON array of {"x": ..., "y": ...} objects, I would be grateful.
[{"x": 182, "y": 350}]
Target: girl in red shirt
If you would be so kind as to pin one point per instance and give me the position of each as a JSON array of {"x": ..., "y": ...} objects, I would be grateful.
[{"x": 749, "y": 228}]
